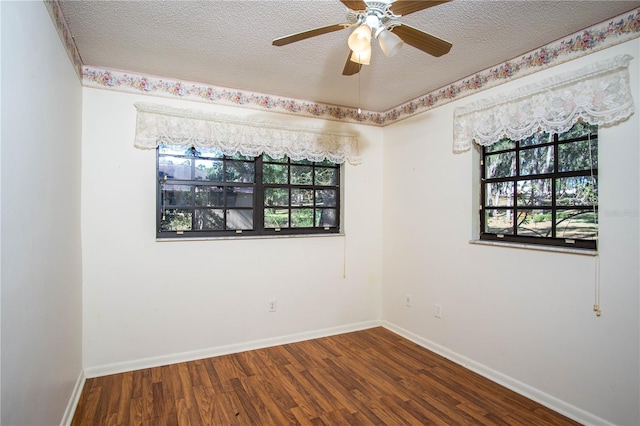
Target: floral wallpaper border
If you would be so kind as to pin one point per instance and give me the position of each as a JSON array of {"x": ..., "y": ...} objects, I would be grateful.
[
  {"x": 65, "y": 35},
  {"x": 617, "y": 30},
  {"x": 622, "y": 28}
]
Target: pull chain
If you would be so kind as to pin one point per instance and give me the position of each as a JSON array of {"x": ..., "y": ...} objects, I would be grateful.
[
  {"x": 596, "y": 302},
  {"x": 359, "y": 101}
]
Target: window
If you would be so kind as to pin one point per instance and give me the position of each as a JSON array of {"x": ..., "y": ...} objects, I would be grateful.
[
  {"x": 542, "y": 189},
  {"x": 203, "y": 193}
]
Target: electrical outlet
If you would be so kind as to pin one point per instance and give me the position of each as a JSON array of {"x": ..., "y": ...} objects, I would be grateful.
[
  {"x": 272, "y": 305},
  {"x": 437, "y": 310},
  {"x": 408, "y": 300}
]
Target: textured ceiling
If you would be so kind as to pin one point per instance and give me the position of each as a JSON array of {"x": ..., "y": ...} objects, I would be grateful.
[{"x": 228, "y": 43}]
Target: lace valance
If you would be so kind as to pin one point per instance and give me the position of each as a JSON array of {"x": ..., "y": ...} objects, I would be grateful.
[
  {"x": 158, "y": 124},
  {"x": 599, "y": 94}
]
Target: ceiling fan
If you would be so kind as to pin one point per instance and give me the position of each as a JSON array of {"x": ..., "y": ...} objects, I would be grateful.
[{"x": 377, "y": 19}]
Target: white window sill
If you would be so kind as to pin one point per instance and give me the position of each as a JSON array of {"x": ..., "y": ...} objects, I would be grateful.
[
  {"x": 583, "y": 252},
  {"x": 254, "y": 237}
]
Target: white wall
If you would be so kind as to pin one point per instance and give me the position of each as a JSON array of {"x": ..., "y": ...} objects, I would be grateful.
[
  {"x": 147, "y": 302},
  {"x": 522, "y": 317},
  {"x": 41, "y": 252}
]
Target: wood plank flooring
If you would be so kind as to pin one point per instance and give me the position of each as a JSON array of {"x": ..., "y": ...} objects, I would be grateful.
[{"x": 370, "y": 377}]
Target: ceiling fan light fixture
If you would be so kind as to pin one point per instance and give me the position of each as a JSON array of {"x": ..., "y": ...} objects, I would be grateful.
[
  {"x": 362, "y": 57},
  {"x": 389, "y": 42},
  {"x": 360, "y": 39},
  {"x": 379, "y": 19}
]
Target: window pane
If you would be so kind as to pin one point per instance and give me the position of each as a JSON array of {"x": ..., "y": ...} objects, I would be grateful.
[
  {"x": 326, "y": 217},
  {"x": 268, "y": 158},
  {"x": 239, "y": 219},
  {"x": 174, "y": 168},
  {"x": 536, "y": 139},
  {"x": 498, "y": 221},
  {"x": 576, "y": 156},
  {"x": 500, "y": 146},
  {"x": 578, "y": 130},
  {"x": 176, "y": 195},
  {"x": 326, "y": 197},
  {"x": 534, "y": 223},
  {"x": 209, "y": 170},
  {"x": 209, "y": 219},
  {"x": 176, "y": 220},
  {"x": 301, "y": 197},
  {"x": 275, "y": 173},
  {"x": 240, "y": 171},
  {"x": 276, "y": 197},
  {"x": 536, "y": 160},
  {"x": 302, "y": 218},
  {"x": 238, "y": 156},
  {"x": 210, "y": 152},
  {"x": 239, "y": 196},
  {"x": 577, "y": 224},
  {"x": 499, "y": 194},
  {"x": 535, "y": 192},
  {"x": 210, "y": 196},
  {"x": 171, "y": 149},
  {"x": 301, "y": 175},
  {"x": 276, "y": 218},
  {"x": 301, "y": 162},
  {"x": 192, "y": 152},
  {"x": 500, "y": 165},
  {"x": 325, "y": 163},
  {"x": 325, "y": 176},
  {"x": 577, "y": 191}
]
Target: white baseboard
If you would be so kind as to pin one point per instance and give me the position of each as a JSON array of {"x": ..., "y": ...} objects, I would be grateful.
[
  {"x": 532, "y": 393},
  {"x": 73, "y": 401},
  {"x": 138, "y": 364}
]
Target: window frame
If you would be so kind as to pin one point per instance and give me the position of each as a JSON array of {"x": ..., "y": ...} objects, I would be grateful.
[
  {"x": 554, "y": 240},
  {"x": 258, "y": 199}
]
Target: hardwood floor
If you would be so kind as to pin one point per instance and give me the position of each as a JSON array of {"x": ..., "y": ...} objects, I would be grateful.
[{"x": 366, "y": 377}]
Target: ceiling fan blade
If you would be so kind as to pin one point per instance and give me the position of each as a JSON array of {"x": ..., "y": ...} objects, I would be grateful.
[
  {"x": 402, "y": 7},
  {"x": 420, "y": 40},
  {"x": 355, "y": 4},
  {"x": 351, "y": 68},
  {"x": 308, "y": 34}
]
